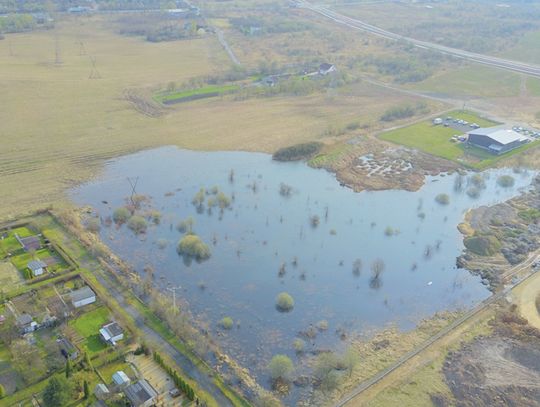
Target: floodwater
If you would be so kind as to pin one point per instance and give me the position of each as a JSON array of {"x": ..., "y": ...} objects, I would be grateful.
[{"x": 263, "y": 230}]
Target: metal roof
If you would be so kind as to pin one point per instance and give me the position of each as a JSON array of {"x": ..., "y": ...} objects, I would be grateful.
[
  {"x": 140, "y": 392},
  {"x": 113, "y": 329},
  {"x": 120, "y": 377},
  {"x": 36, "y": 265},
  {"x": 82, "y": 294},
  {"x": 500, "y": 135}
]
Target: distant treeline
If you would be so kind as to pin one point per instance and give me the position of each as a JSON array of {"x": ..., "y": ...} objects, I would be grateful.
[
  {"x": 14, "y": 23},
  {"x": 253, "y": 25},
  {"x": 155, "y": 27},
  {"x": 34, "y": 6},
  {"x": 297, "y": 152}
]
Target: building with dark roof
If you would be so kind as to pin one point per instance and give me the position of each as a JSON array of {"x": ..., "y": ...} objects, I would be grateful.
[
  {"x": 111, "y": 333},
  {"x": 141, "y": 394},
  {"x": 29, "y": 243},
  {"x": 326, "y": 68},
  {"x": 496, "y": 140}
]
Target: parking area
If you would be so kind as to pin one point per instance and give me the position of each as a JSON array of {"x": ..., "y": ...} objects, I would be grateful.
[
  {"x": 527, "y": 131},
  {"x": 460, "y": 125}
]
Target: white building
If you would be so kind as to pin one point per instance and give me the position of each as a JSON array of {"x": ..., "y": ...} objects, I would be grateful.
[
  {"x": 37, "y": 267},
  {"x": 111, "y": 333},
  {"x": 82, "y": 297},
  {"x": 121, "y": 379}
]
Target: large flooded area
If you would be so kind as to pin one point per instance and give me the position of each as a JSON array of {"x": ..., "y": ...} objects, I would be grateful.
[{"x": 312, "y": 238}]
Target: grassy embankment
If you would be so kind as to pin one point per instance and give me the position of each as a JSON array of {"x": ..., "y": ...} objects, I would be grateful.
[
  {"x": 200, "y": 93},
  {"x": 435, "y": 140}
]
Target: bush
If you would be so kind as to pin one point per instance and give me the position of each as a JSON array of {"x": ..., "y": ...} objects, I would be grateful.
[
  {"x": 186, "y": 225},
  {"x": 482, "y": 245},
  {"x": 281, "y": 367},
  {"x": 137, "y": 224},
  {"x": 442, "y": 199},
  {"x": 398, "y": 112},
  {"x": 193, "y": 246},
  {"x": 121, "y": 215},
  {"x": 284, "y": 302},
  {"x": 297, "y": 152},
  {"x": 227, "y": 323},
  {"x": 505, "y": 181},
  {"x": 93, "y": 225},
  {"x": 162, "y": 243},
  {"x": 473, "y": 192},
  {"x": 299, "y": 345}
]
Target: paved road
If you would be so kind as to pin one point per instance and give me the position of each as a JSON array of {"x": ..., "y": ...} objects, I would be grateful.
[
  {"x": 521, "y": 67},
  {"x": 204, "y": 381},
  {"x": 405, "y": 358},
  {"x": 226, "y": 46}
]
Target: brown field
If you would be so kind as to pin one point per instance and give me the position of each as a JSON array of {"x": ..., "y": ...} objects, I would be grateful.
[{"x": 59, "y": 126}]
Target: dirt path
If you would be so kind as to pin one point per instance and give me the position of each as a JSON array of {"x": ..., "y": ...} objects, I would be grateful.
[{"x": 525, "y": 300}]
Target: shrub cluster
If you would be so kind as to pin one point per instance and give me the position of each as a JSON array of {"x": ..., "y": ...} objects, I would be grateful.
[{"x": 297, "y": 152}]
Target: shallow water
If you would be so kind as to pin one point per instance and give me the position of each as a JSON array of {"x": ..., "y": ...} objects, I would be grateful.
[{"x": 263, "y": 229}]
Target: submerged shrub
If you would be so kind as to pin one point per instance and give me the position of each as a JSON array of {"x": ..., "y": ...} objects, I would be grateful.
[
  {"x": 284, "y": 302},
  {"x": 137, "y": 224},
  {"x": 193, "y": 246},
  {"x": 506, "y": 181},
  {"x": 186, "y": 225},
  {"x": 299, "y": 345},
  {"x": 442, "y": 199},
  {"x": 162, "y": 243},
  {"x": 227, "y": 323},
  {"x": 281, "y": 367},
  {"x": 121, "y": 215},
  {"x": 473, "y": 192}
]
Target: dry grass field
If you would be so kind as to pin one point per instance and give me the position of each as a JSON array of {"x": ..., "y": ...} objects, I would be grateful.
[{"x": 59, "y": 126}]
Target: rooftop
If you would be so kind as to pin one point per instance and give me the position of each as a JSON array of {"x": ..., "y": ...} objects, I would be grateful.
[
  {"x": 82, "y": 294},
  {"x": 500, "y": 135},
  {"x": 120, "y": 377},
  {"x": 36, "y": 265},
  {"x": 140, "y": 392},
  {"x": 24, "y": 319},
  {"x": 113, "y": 329}
]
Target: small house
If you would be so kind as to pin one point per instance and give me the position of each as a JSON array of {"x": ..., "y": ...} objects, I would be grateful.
[
  {"x": 141, "y": 394},
  {"x": 82, "y": 296},
  {"x": 325, "y": 69},
  {"x": 437, "y": 121},
  {"x": 37, "y": 267},
  {"x": 120, "y": 379},
  {"x": 101, "y": 391},
  {"x": 111, "y": 333},
  {"x": 26, "y": 323}
]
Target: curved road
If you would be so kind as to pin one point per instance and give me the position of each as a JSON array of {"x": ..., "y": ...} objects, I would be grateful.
[{"x": 528, "y": 69}]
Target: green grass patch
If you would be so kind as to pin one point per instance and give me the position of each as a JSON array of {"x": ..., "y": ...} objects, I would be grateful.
[
  {"x": 428, "y": 138},
  {"x": 477, "y": 81},
  {"x": 328, "y": 158},
  {"x": 435, "y": 140},
  {"x": 187, "y": 94},
  {"x": 89, "y": 324}
]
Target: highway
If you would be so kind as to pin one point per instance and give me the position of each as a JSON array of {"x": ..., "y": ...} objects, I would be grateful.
[{"x": 514, "y": 66}]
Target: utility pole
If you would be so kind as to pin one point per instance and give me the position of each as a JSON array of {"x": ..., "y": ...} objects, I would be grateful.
[
  {"x": 57, "y": 59},
  {"x": 94, "y": 73},
  {"x": 133, "y": 182},
  {"x": 173, "y": 290}
]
